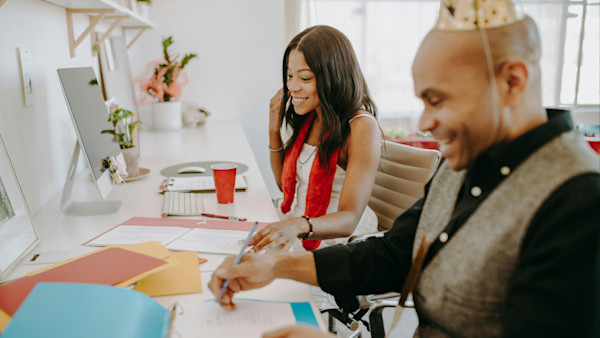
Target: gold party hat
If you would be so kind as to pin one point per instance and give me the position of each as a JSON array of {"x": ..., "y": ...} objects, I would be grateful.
[{"x": 466, "y": 15}]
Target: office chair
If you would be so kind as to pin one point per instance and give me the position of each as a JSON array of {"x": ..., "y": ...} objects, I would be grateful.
[{"x": 401, "y": 176}]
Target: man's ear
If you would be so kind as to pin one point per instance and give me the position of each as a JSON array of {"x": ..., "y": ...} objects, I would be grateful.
[{"x": 513, "y": 80}]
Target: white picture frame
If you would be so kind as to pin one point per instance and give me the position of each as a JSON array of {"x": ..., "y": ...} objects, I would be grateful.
[{"x": 17, "y": 231}]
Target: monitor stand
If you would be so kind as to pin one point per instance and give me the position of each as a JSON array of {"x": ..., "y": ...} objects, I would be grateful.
[{"x": 70, "y": 207}]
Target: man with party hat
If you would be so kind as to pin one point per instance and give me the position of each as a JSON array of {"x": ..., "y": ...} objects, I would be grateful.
[{"x": 511, "y": 214}]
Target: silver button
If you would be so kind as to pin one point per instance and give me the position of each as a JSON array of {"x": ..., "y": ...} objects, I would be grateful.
[
  {"x": 505, "y": 170},
  {"x": 443, "y": 237},
  {"x": 476, "y": 191}
]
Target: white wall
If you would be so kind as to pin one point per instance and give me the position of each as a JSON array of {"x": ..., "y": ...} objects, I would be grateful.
[
  {"x": 239, "y": 42},
  {"x": 238, "y": 69},
  {"x": 39, "y": 138}
]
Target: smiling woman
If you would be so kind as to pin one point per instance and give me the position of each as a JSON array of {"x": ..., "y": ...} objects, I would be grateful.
[{"x": 327, "y": 168}]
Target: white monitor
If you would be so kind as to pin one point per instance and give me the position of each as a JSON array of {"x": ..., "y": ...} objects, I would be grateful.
[
  {"x": 17, "y": 233},
  {"x": 89, "y": 115}
]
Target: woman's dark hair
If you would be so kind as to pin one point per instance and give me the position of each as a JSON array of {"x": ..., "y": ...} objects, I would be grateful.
[{"x": 341, "y": 86}]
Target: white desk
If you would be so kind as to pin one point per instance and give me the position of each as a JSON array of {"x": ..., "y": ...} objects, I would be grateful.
[{"x": 215, "y": 141}]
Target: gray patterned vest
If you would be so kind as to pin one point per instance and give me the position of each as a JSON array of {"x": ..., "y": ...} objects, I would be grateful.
[{"x": 462, "y": 291}]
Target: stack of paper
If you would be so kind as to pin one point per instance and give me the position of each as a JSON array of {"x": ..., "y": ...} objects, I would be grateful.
[{"x": 212, "y": 236}]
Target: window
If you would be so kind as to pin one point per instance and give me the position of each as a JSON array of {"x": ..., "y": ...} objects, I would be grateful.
[{"x": 386, "y": 35}]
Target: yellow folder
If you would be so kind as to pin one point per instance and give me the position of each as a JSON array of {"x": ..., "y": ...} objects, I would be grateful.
[
  {"x": 183, "y": 278},
  {"x": 4, "y": 319}
]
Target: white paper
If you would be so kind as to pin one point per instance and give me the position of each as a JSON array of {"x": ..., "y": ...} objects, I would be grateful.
[
  {"x": 133, "y": 234},
  {"x": 250, "y": 319},
  {"x": 210, "y": 240}
]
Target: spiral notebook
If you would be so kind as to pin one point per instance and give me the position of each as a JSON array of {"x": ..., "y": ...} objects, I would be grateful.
[{"x": 97, "y": 311}]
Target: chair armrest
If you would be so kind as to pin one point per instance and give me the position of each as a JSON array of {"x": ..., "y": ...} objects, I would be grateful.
[
  {"x": 362, "y": 237},
  {"x": 376, "y": 318}
]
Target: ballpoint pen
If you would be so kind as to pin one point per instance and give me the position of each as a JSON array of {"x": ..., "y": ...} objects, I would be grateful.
[
  {"x": 232, "y": 218},
  {"x": 238, "y": 258}
]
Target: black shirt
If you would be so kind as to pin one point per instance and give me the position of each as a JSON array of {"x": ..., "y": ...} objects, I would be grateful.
[{"x": 555, "y": 287}]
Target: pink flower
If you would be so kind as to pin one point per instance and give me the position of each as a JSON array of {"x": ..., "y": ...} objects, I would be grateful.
[{"x": 151, "y": 81}]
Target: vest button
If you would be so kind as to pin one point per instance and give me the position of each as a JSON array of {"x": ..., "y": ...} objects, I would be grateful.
[
  {"x": 476, "y": 191},
  {"x": 443, "y": 237},
  {"x": 505, "y": 170}
]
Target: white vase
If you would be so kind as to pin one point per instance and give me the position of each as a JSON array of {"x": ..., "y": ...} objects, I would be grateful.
[
  {"x": 132, "y": 157},
  {"x": 166, "y": 115},
  {"x": 143, "y": 9}
]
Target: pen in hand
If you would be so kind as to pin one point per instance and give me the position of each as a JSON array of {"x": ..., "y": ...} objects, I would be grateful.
[{"x": 238, "y": 258}]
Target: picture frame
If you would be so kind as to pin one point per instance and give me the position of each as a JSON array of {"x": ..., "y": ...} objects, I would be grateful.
[{"x": 17, "y": 231}]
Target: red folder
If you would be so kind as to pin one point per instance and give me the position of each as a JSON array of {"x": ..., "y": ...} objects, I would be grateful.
[{"x": 109, "y": 267}]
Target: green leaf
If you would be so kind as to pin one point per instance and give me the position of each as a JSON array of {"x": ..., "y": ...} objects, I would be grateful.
[
  {"x": 166, "y": 43},
  {"x": 187, "y": 58},
  {"x": 133, "y": 125}
]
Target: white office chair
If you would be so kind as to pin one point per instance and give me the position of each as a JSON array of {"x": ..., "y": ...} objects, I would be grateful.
[{"x": 401, "y": 176}]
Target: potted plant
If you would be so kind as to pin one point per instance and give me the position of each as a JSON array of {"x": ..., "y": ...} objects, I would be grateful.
[
  {"x": 123, "y": 127},
  {"x": 144, "y": 8},
  {"x": 165, "y": 84}
]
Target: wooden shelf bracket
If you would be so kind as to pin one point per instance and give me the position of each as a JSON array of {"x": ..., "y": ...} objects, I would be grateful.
[
  {"x": 94, "y": 20},
  {"x": 137, "y": 35}
]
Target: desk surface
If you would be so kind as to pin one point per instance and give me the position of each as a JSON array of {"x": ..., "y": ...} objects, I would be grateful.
[{"x": 214, "y": 141}]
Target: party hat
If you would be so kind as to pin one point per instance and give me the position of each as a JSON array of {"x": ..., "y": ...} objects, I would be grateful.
[{"x": 465, "y": 15}]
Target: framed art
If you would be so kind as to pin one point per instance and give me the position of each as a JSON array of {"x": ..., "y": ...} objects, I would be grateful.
[{"x": 17, "y": 232}]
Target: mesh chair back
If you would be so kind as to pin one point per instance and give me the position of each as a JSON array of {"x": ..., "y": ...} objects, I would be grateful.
[{"x": 401, "y": 177}]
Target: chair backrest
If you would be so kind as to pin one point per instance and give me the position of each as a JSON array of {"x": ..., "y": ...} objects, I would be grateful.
[{"x": 402, "y": 174}]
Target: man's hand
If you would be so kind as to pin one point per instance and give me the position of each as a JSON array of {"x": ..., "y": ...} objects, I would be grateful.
[
  {"x": 298, "y": 331},
  {"x": 253, "y": 272}
]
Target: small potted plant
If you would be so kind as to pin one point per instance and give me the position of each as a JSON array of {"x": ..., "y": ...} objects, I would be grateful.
[
  {"x": 123, "y": 127},
  {"x": 164, "y": 85},
  {"x": 144, "y": 8}
]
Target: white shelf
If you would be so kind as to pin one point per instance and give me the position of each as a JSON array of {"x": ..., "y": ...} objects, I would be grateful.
[
  {"x": 107, "y": 11},
  {"x": 134, "y": 20}
]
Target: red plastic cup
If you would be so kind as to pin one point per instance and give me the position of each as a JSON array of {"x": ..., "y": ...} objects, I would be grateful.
[{"x": 224, "y": 175}]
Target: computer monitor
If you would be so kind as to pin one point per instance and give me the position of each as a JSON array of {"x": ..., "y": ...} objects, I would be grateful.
[{"x": 90, "y": 116}]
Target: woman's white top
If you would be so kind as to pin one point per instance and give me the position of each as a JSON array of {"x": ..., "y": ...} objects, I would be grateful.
[{"x": 368, "y": 221}]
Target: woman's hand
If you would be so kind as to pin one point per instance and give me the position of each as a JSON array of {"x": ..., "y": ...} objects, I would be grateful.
[
  {"x": 279, "y": 235},
  {"x": 275, "y": 116},
  {"x": 253, "y": 272}
]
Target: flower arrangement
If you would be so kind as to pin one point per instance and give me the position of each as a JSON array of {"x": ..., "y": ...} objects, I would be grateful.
[
  {"x": 166, "y": 80},
  {"x": 122, "y": 127}
]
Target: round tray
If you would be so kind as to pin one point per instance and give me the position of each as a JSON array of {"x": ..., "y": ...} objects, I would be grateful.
[
  {"x": 172, "y": 170},
  {"x": 143, "y": 173}
]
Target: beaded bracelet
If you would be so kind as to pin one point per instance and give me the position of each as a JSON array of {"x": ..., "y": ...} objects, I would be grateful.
[
  {"x": 276, "y": 150},
  {"x": 310, "y": 228}
]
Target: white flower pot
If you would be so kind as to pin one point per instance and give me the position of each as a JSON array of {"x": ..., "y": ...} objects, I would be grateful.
[
  {"x": 132, "y": 157},
  {"x": 166, "y": 115},
  {"x": 143, "y": 9}
]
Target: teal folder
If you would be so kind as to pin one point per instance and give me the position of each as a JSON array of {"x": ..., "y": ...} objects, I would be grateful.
[
  {"x": 87, "y": 310},
  {"x": 98, "y": 311}
]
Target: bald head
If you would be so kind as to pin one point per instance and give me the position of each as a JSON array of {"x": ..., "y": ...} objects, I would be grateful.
[
  {"x": 468, "y": 107},
  {"x": 517, "y": 41}
]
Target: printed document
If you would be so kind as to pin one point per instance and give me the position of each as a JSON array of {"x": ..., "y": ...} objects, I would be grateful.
[{"x": 210, "y": 240}]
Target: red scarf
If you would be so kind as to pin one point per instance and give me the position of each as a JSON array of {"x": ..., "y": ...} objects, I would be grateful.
[{"x": 319, "y": 182}]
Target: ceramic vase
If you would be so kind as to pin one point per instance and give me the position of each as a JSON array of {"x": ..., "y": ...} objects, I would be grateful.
[
  {"x": 166, "y": 115},
  {"x": 143, "y": 9},
  {"x": 132, "y": 160}
]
